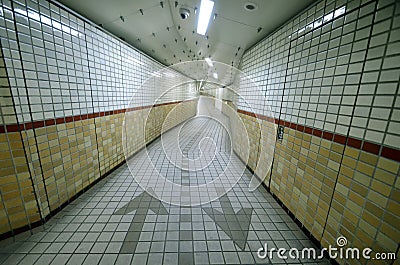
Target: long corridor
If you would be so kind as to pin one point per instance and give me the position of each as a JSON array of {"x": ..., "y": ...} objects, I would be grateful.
[
  {"x": 117, "y": 222},
  {"x": 199, "y": 132}
]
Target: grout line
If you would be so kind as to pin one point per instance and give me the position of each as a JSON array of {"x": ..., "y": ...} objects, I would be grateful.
[
  {"x": 29, "y": 105},
  {"x": 23, "y": 146},
  {"x": 355, "y": 102},
  {"x": 63, "y": 109},
  {"x": 92, "y": 100},
  {"x": 393, "y": 106},
  {"x": 280, "y": 109}
]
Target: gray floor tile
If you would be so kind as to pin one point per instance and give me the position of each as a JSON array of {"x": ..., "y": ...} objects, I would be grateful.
[
  {"x": 29, "y": 259},
  {"x": 201, "y": 258},
  {"x": 45, "y": 259},
  {"x": 92, "y": 259},
  {"x": 139, "y": 259},
  {"x": 216, "y": 258},
  {"x": 76, "y": 259},
  {"x": 108, "y": 259},
  {"x": 186, "y": 258},
  {"x": 123, "y": 259},
  {"x": 155, "y": 258},
  {"x": 61, "y": 259}
]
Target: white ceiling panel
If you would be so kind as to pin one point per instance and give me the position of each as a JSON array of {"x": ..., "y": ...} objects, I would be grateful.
[{"x": 232, "y": 31}]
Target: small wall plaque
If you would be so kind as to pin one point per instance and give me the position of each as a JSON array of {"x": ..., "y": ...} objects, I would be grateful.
[{"x": 281, "y": 131}]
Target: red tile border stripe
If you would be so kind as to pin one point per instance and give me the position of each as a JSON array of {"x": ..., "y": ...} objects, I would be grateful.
[
  {"x": 373, "y": 148},
  {"x": 68, "y": 119}
]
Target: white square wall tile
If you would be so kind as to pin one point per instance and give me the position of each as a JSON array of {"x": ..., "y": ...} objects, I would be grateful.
[
  {"x": 383, "y": 101},
  {"x": 378, "y": 125},
  {"x": 329, "y": 126},
  {"x": 392, "y": 140},
  {"x": 359, "y": 122},
  {"x": 340, "y": 129},
  {"x": 380, "y": 113},
  {"x": 395, "y": 115},
  {"x": 356, "y": 132},
  {"x": 394, "y": 127},
  {"x": 373, "y": 136}
]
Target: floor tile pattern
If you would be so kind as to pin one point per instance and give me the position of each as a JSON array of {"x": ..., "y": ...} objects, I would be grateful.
[{"x": 116, "y": 222}]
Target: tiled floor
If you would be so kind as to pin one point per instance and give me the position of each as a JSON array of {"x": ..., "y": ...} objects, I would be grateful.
[{"x": 117, "y": 223}]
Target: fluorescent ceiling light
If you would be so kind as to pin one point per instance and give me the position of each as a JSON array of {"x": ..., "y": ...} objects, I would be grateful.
[
  {"x": 215, "y": 75},
  {"x": 206, "y": 8},
  {"x": 209, "y": 62}
]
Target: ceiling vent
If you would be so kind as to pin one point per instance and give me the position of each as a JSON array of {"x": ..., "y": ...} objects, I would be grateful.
[{"x": 250, "y": 6}]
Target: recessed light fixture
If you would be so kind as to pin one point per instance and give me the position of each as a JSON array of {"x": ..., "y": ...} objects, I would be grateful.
[
  {"x": 209, "y": 62},
  {"x": 250, "y": 6},
  {"x": 215, "y": 75},
  {"x": 206, "y": 8}
]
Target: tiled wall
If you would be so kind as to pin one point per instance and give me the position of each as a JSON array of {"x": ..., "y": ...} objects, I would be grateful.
[
  {"x": 337, "y": 64},
  {"x": 66, "y": 86},
  {"x": 365, "y": 206},
  {"x": 61, "y": 65},
  {"x": 18, "y": 206},
  {"x": 68, "y": 158},
  {"x": 331, "y": 77}
]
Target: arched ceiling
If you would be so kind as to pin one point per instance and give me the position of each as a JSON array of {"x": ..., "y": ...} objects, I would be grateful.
[{"x": 156, "y": 28}]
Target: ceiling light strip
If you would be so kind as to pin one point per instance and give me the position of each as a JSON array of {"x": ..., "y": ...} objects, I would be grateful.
[{"x": 206, "y": 8}]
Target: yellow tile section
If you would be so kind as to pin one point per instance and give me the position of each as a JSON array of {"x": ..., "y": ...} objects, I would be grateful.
[
  {"x": 247, "y": 138},
  {"x": 331, "y": 189},
  {"x": 266, "y": 151},
  {"x": 75, "y": 154},
  {"x": 133, "y": 139},
  {"x": 18, "y": 207},
  {"x": 253, "y": 141},
  {"x": 142, "y": 127},
  {"x": 32, "y": 156},
  {"x": 365, "y": 207},
  {"x": 304, "y": 175},
  {"x": 109, "y": 139},
  {"x": 63, "y": 159},
  {"x": 69, "y": 159}
]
